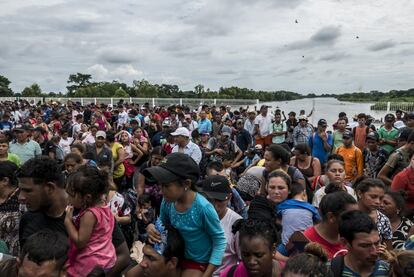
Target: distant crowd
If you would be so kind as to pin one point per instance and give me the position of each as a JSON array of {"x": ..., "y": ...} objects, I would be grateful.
[{"x": 135, "y": 190}]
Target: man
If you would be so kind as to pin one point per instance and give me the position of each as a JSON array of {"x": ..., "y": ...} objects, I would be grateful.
[
  {"x": 219, "y": 147},
  {"x": 42, "y": 189},
  {"x": 263, "y": 124},
  {"x": 24, "y": 147},
  {"x": 321, "y": 142},
  {"x": 353, "y": 159},
  {"x": 218, "y": 192},
  {"x": 249, "y": 123},
  {"x": 361, "y": 131},
  {"x": 99, "y": 152},
  {"x": 374, "y": 156},
  {"x": 291, "y": 123},
  {"x": 409, "y": 120},
  {"x": 302, "y": 132},
  {"x": 217, "y": 124},
  {"x": 44, "y": 254},
  {"x": 192, "y": 124},
  {"x": 184, "y": 145},
  {"x": 76, "y": 127},
  {"x": 397, "y": 161},
  {"x": 278, "y": 130},
  {"x": 6, "y": 124},
  {"x": 341, "y": 116},
  {"x": 204, "y": 124},
  {"x": 162, "y": 259},
  {"x": 123, "y": 117},
  {"x": 243, "y": 138},
  {"x": 388, "y": 134},
  {"x": 360, "y": 234},
  {"x": 338, "y": 133},
  {"x": 38, "y": 136}
]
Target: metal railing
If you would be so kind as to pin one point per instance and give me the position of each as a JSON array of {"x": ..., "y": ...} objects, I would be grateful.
[
  {"x": 192, "y": 102},
  {"x": 393, "y": 106}
]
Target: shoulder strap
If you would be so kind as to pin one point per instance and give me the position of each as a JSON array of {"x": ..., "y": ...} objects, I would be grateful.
[
  {"x": 230, "y": 273},
  {"x": 337, "y": 266},
  {"x": 367, "y": 130},
  {"x": 354, "y": 131}
]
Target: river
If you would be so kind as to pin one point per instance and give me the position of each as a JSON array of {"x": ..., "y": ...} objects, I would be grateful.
[{"x": 327, "y": 108}]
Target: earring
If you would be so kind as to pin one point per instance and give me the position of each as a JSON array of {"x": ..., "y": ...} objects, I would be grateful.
[{"x": 186, "y": 189}]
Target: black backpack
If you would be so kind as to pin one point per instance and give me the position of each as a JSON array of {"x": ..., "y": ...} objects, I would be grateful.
[{"x": 337, "y": 266}]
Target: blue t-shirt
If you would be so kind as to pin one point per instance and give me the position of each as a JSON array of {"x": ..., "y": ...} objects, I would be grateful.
[
  {"x": 381, "y": 269},
  {"x": 316, "y": 144},
  {"x": 200, "y": 228}
]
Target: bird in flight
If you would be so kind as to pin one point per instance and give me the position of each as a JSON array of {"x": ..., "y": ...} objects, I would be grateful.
[
  {"x": 296, "y": 21},
  {"x": 357, "y": 37}
]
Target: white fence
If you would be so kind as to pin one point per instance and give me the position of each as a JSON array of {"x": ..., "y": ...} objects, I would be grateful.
[
  {"x": 393, "y": 106},
  {"x": 192, "y": 102}
]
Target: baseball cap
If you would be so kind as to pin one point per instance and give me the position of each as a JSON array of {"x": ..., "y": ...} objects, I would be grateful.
[
  {"x": 166, "y": 122},
  {"x": 176, "y": 166},
  {"x": 251, "y": 111},
  {"x": 101, "y": 134},
  {"x": 322, "y": 122},
  {"x": 226, "y": 131},
  {"x": 410, "y": 116},
  {"x": 303, "y": 117},
  {"x": 182, "y": 131},
  {"x": 373, "y": 136},
  {"x": 389, "y": 117},
  {"x": 258, "y": 147},
  {"x": 347, "y": 134},
  {"x": 216, "y": 187},
  {"x": 238, "y": 121}
]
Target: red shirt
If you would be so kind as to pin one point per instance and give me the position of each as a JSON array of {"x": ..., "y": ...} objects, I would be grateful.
[
  {"x": 405, "y": 181},
  {"x": 332, "y": 250}
]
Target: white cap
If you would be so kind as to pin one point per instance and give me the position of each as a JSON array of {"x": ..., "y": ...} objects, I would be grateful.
[
  {"x": 101, "y": 134},
  {"x": 182, "y": 131}
]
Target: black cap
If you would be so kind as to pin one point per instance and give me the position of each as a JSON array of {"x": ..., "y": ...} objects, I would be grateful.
[
  {"x": 176, "y": 166},
  {"x": 23, "y": 128},
  {"x": 216, "y": 187},
  {"x": 389, "y": 117},
  {"x": 322, "y": 122},
  {"x": 347, "y": 134},
  {"x": 410, "y": 116}
]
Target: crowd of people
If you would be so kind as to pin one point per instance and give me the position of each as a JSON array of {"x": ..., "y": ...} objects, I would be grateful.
[{"x": 134, "y": 190}]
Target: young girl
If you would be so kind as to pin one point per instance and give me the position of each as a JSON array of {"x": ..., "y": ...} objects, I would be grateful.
[
  {"x": 132, "y": 156},
  {"x": 190, "y": 213},
  {"x": 90, "y": 232}
]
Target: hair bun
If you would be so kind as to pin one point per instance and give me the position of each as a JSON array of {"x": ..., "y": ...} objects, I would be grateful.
[{"x": 316, "y": 250}]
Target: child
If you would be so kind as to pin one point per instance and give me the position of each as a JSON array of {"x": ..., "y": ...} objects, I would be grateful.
[
  {"x": 190, "y": 213},
  {"x": 145, "y": 214},
  {"x": 228, "y": 160},
  {"x": 90, "y": 233},
  {"x": 297, "y": 214}
]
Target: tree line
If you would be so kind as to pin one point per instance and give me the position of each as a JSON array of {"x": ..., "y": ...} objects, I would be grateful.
[{"x": 82, "y": 85}]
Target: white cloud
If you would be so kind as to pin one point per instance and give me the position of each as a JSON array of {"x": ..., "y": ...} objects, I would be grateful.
[{"x": 217, "y": 43}]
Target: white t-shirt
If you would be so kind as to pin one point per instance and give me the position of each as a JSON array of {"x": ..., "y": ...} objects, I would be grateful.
[
  {"x": 320, "y": 193},
  {"x": 264, "y": 124},
  {"x": 232, "y": 252},
  {"x": 65, "y": 144}
]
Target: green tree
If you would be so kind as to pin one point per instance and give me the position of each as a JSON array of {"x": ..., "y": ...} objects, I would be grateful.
[
  {"x": 4, "y": 87},
  {"x": 77, "y": 81},
  {"x": 121, "y": 93},
  {"x": 33, "y": 91}
]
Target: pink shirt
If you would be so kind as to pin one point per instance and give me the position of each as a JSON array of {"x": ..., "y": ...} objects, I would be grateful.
[{"x": 99, "y": 251}]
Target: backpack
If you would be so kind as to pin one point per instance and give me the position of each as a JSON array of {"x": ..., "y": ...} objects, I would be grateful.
[
  {"x": 366, "y": 130},
  {"x": 337, "y": 266},
  {"x": 308, "y": 186}
]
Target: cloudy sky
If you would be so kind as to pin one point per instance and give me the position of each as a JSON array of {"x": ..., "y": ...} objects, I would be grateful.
[{"x": 299, "y": 45}]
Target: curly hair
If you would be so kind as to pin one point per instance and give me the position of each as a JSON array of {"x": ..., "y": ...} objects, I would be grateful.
[
  {"x": 257, "y": 228},
  {"x": 42, "y": 170}
]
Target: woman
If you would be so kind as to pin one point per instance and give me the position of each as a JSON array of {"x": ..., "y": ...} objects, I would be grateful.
[
  {"x": 405, "y": 181},
  {"x": 132, "y": 155},
  {"x": 278, "y": 187},
  {"x": 203, "y": 144},
  {"x": 370, "y": 193},
  {"x": 402, "y": 265},
  {"x": 118, "y": 156},
  {"x": 276, "y": 157},
  {"x": 4, "y": 152},
  {"x": 148, "y": 184},
  {"x": 9, "y": 207},
  {"x": 72, "y": 162},
  {"x": 308, "y": 165},
  {"x": 335, "y": 173},
  {"x": 81, "y": 151},
  {"x": 257, "y": 240},
  {"x": 393, "y": 206},
  {"x": 140, "y": 140}
]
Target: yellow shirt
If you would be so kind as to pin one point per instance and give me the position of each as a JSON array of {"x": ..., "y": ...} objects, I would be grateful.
[
  {"x": 120, "y": 169},
  {"x": 261, "y": 162}
]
